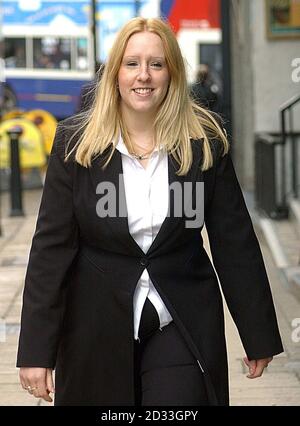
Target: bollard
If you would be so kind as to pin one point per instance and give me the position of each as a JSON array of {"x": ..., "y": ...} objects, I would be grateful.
[
  {"x": 0, "y": 204},
  {"x": 15, "y": 178}
]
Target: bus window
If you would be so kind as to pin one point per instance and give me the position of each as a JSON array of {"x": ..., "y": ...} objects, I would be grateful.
[
  {"x": 14, "y": 52},
  {"x": 52, "y": 52},
  {"x": 81, "y": 54}
]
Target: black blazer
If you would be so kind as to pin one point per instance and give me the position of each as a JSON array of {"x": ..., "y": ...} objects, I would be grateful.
[{"x": 77, "y": 311}]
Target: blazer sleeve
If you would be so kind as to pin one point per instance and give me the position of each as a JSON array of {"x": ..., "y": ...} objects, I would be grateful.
[
  {"x": 239, "y": 264},
  {"x": 54, "y": 246}
]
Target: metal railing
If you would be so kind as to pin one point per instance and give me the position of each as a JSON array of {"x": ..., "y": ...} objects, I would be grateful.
[
  {"x": 277, "y": 158},
  {"x": 287, "y": 121},
  {"x": 269, "y": 189}
]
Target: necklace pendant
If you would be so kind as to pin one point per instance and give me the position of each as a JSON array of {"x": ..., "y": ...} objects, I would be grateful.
[{"x": 141, "y": 156}]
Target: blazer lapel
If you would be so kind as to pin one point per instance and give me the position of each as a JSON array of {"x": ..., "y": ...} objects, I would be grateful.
[
  {"x": 119, "y": 224},
  {"x": 171, "y": 222}
]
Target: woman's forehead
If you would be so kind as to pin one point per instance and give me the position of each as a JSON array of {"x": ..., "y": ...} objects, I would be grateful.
[{"x": 144, "y": 42}]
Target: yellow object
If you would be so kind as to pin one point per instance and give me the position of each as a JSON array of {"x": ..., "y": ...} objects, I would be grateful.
[
  {"x": 47, "y": 124},
  {"x": 14, "y": 113},
  {"x": 32, "y": 153}
]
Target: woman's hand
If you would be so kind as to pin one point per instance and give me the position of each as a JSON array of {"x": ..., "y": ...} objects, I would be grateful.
[
  {"x": 256, "y": 366},
  {"x": 37, "y": 381}
]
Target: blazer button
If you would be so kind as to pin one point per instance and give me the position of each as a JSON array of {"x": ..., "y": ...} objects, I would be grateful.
[{"x": 144, "y": 261}]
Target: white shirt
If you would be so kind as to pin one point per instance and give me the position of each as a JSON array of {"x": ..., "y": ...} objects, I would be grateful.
[{"x": 147, "y": 201}]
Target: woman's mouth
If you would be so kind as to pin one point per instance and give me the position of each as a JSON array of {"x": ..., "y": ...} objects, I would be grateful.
[{"x": 143, "y": 91}]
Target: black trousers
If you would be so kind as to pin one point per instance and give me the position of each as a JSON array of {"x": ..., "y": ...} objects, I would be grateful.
[{"x": 166, "y": 372}]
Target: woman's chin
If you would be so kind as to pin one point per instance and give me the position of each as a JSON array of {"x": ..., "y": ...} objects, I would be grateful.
[{"x": 143, "y": 110}]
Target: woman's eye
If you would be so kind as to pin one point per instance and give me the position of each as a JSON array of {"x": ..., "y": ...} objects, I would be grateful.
[
  {"x": 156, "y": 65},
  {"x": 136, "y": 64}
]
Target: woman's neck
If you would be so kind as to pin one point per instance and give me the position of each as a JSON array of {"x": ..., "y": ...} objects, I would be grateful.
[{"x": 140, "y": 128}]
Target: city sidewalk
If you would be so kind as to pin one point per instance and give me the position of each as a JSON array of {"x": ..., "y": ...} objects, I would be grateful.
[{"x": 280, "y": 385}]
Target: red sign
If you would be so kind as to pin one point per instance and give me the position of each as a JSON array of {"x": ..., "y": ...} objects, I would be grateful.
[{"x": 195, "y": 14}]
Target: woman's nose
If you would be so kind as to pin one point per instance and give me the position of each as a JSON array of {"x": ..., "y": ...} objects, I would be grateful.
[{"x": 144, "y": 74}]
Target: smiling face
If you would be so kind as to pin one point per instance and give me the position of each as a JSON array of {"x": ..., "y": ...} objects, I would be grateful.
[{"x": 143, "y": 76}]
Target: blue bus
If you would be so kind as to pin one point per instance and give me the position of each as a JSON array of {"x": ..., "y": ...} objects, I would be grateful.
[{"x": 48, "y": 48}]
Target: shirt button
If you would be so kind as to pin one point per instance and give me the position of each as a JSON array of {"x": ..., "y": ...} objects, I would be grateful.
[{"x": 144, "y": 261}]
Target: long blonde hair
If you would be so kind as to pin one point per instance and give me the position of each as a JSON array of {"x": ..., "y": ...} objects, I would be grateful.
[{"x": 178, "y": 119}]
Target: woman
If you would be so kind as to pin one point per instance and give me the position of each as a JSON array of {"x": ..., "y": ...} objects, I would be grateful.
[{"x": 120, "y": 296}]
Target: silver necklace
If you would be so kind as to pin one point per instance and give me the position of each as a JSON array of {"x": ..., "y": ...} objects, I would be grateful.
[
  {"x": 145, "y": 156},
  {"x": 141, "y": 157}
]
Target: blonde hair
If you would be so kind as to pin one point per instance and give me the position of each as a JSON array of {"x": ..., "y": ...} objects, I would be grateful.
[{"x": 178, "y": 119}]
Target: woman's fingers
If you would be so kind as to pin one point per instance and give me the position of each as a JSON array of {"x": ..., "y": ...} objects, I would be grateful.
[
  {"x": 34, "y": 381},
  {"x": 256, "y": 367},
  {"x": 261, "y": 365},
  {"x": 252, "y": 367},
  {"x": 49, "y": 380},
  {"x": 43, "y": 393}
]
